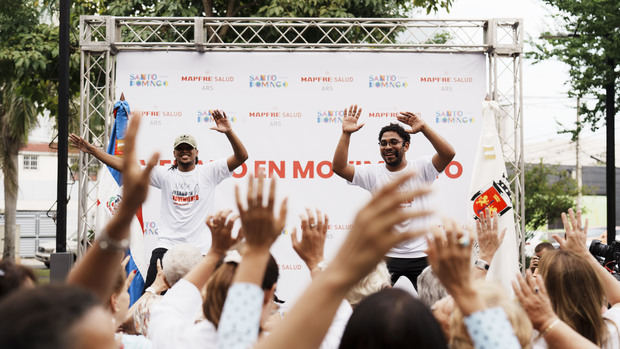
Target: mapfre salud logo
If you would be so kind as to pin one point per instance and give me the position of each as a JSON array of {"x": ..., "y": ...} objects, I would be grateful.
[
  {"x": 147, "y": 80},
  {"x": 452, "y": 117},
  {"x": 329, "y": 116},
  {"x": 267, "y": 81},
  {"x": 386, "y": 81}
]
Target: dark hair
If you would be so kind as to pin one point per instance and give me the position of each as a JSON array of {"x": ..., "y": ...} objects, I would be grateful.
[
  {"x": 43, "y": 317},
  {"x": 220, "y": 281},
  {"x": 13, "y": 276},
  {"x": 398, "y": 129},
  {"x": 543, "y": 246},
  {"x": 392, "y": 318}
]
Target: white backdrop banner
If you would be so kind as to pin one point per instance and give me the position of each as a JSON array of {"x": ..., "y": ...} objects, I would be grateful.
[{"x": 287, "y": 109}]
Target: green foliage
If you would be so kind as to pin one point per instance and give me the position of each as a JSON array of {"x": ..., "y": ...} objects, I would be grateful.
[
  {"x": 590, "y": 46},
  {"x": 549, "y": 191}
]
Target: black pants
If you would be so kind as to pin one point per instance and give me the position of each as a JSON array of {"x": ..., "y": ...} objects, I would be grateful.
[
  {"x": 408, "y": 267},
  {"x": 157, "y": 253}
]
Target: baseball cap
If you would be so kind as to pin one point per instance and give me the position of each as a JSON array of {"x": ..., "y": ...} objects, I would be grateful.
[{"x": 185, "y": 138}]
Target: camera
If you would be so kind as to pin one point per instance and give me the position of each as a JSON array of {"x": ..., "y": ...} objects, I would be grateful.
[{"x": 607, "y": 255}]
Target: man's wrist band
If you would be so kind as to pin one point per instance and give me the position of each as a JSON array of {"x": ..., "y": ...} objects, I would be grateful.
[
  {"x": 482, "y": 264},
  {"x": 108, "y": 244}
]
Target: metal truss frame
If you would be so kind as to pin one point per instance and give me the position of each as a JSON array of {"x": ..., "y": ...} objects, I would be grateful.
[{"x": 101, "y": 37}]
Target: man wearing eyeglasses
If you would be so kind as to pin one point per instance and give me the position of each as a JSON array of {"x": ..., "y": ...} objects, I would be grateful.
[{"x": 407, "y": 259}]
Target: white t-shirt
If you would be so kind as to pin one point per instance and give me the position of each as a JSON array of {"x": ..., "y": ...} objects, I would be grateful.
[
  {"x": 374, "y": 177},
  {"x": 186, "y": 200}
]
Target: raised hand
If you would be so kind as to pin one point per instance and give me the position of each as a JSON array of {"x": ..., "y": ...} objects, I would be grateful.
[
  {"x": 221, "y": 226},
  {"x": 488, "y": 238},
  {"x": 373, "y": 235},
  {"x": 160, "y": 284},
  {"x": 222, "y": 124},
  {"x": 414, "y": 121},
  {"x": 80, "y": 143},
  {"x": 310, "y": 248},
  {"x": 533, "y": 296},
  {"x": 260, "y": 226},
  {"x": 350, "y": 119},
  {"x": 576, "y": 233}
]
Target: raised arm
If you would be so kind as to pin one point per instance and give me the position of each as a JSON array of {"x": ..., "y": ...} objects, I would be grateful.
[
  {"x": 310, "y": 248},
  {"x": 445, "y": 152},
  {"x": 488, "y": 240},
  {"x": 575, "y": 241},
  {"x": 370, "y": 238},
  {"x": 97, "y": 271},
  {"x": 340, "y": 163},
  {"x": 240, "y": 154},
  {"x": 113, "y": 161},
  {"x": 220, "y": 225}
]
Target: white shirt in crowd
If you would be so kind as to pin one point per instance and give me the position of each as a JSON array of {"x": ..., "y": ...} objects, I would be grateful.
[
  {"x": 374, "y": 177},
  {"x": 186, "y": 199}
]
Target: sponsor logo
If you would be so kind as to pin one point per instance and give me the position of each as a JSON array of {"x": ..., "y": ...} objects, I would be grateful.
[
  {"x": 383, "y": 114},
  {"x": 275, "y": 114},
  {"x": 204, "y": 116},
  {"x": 447, "y": 79},
  {"x": 147, "y": 80},
  {"x": 161, "y": 113},
  {"x": 207, "y": 78},
  {"x": 289, "y": 267},
  {"x": 386, "y": 81},
  {"x": 326, "y": 79},
  {"x": 452, "y": 117},
  {"x": 267, "y": 81},
  {"x": 329, "y": 116},
  {"x": 151, "y": 228},
  {"x": 113, "y": 203}
]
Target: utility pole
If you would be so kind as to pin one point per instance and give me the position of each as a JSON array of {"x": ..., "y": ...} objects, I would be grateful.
[{"x": 577, "y": 160}]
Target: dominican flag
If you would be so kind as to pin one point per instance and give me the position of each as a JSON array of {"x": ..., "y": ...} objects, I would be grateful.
[{"x": 109, "y": 197}]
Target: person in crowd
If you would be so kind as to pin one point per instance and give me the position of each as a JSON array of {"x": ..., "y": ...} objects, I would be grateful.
[
  {"x": 187, "y": 188},
  {"x": 374, "y": 282},
  {"x": 538, "y": 252},
  {"x": 408, "y": 258},
  {"x": 580, "y": 288},
  {"x": 532, "y": 295},
  {"x": 392, "y": 318},
  {"x": 430, "y": 289},
  {"x": 14, "y": 276},
  {"x": 178, "y": 261},
  {"x": 72, "y": 315}
]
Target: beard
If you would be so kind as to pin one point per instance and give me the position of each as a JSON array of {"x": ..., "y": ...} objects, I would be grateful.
[{"x": 397, "y": 158}]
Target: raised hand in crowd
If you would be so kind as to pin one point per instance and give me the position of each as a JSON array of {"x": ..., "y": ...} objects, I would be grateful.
[
  {"x": 532, "y": 294},
  {"x": 350, "y": 119},
  {"x": 370, "y": 238},
  {"x": 488, "y": 240},
  {"x": 313, "y": 233},
  {"x": 414, "y": 120},
  {"x": 160, "y": 284},
  {"x": 221, "y": 225},
  {"x": 97, "y": 270},
  {"x": 575, "y": 241}
]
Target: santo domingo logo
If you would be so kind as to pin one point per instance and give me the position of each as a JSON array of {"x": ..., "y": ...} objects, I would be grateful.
[
  {"x": 267, "y": 81},
  {"x": 147, "y": 80},
  {"x": 452, "y": 117},
  {"x": 386, "y": 81},
  {"x": 329, "y": 116},
  {"x": 204, "y": 116}
]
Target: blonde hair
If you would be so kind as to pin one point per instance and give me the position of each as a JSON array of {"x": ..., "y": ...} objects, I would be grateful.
[
  {"x": 576, "y": 292},
  {"x": 493, "y": 295},
  {"x": 374, "y": 282},
  {"x": 216, "y": 291}
]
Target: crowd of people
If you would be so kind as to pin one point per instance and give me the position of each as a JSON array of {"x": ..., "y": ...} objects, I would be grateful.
[{"x": 395, "y": 282}]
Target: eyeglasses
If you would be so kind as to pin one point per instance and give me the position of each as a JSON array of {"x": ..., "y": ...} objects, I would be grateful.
[{"x": 393, "y": 142}]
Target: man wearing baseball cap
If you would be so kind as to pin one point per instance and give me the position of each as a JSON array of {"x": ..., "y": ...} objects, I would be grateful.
[{"x": 187, "y": 189}]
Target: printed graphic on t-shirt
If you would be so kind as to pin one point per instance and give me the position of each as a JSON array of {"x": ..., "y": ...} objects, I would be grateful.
[{"x": 183, "y": 195}]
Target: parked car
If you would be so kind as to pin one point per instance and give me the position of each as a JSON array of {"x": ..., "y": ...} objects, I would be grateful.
[{"x": 46, "y": 248}]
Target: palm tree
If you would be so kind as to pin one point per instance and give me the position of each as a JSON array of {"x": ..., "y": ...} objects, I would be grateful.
[{"x": 18, "y": 116}]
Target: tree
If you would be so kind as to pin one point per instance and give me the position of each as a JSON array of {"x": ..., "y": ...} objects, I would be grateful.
[
  {"x": 590, "y": 46},
  {"x": 27, "y": 56},
  {"x": 549, "y": 191}
]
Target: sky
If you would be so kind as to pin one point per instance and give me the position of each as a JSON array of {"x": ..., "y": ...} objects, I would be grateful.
[{"x": 545, "y": 94}]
